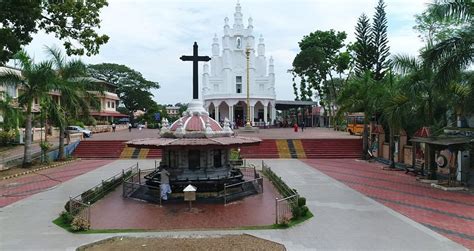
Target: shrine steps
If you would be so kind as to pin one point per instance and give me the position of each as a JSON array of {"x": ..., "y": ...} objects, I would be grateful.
[
  {"x": 268, "y": 149},
  {"x": 113, "y": 149}
]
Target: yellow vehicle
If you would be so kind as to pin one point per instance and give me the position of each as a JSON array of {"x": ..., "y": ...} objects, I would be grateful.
[{"x": 355, "y": 123}]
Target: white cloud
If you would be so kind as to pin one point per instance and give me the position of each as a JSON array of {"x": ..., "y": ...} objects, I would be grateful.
[{"x": 150, "y": 36}]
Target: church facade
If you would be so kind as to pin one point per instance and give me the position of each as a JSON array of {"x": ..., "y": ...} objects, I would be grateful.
[{"x": 224, "y": 85}]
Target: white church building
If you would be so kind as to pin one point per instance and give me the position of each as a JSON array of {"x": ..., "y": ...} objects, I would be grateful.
[{"x": 224, "y": 86}]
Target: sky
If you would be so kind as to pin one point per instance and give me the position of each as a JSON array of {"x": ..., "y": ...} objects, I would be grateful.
[{"x": 150, "y": 35}]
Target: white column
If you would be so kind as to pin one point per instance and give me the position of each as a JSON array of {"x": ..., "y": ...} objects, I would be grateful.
[
  {"x": 273, "y": 113},
  {"x": 252, "y": 112},
  {"x": 231, "y": 113},
  {"x": 265, "y": 113},
  {"x": 216, "y": 111}
]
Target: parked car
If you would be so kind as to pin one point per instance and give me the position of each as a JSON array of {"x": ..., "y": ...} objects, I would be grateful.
[{"x": 78, "y": 129}]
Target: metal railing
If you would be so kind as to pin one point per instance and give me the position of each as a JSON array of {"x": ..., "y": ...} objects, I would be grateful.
[
  {"x": 283, "y": 206},
  {"x": 134, "y": 182},
  {"x": 257, "y": 183},
  {"x": 80, "y": 204}
]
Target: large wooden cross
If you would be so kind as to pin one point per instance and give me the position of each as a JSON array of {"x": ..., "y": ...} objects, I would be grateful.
[{"x": 195, "y": 58}]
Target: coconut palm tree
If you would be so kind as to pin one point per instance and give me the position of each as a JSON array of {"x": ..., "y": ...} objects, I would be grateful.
[
  {"x": 73, "y": 85},
  {"x": 456, "y": 52},
  {"x": 361, "y": 94},
  {"x": 396, "y": 109},
  {"x": 35, "y": 81}
]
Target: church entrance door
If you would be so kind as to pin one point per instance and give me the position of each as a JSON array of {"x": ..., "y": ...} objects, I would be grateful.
[{"x": 239, "y": 116}]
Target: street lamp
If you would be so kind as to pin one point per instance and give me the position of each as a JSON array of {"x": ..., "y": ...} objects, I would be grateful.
[{"x": 247, "y": 53}]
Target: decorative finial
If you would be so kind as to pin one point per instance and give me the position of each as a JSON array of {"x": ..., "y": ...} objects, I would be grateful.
[
  {"x": 227, "y": 128},
  {"x": 260, "y": 39},
  {"x": 250, "y": 22},
  {"x": 226, "y": 21},
  {"x": 208, "y": 131}
]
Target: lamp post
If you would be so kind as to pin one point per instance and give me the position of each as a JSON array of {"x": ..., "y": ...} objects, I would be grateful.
[{"x": 247, "y": 53}]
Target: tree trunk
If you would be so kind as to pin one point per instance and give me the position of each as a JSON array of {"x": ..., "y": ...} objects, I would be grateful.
[
  {"x": 391, "y": 148},
  {"x": 27, "y": 158},
  {"x": 61, "y": 143},
  {"x": 365, "y": 140}
]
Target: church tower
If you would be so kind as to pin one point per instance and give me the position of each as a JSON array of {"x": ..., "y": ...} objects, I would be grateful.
[{"x": 225, "y": 85}]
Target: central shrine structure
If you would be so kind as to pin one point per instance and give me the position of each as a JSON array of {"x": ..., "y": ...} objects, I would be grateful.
[{"x": 224, "y": 86}]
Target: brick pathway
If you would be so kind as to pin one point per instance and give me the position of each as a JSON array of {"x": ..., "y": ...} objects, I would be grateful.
[
  {"x": 115, "y": 212},
  {"x": 16, "y": 189},
  {"x": 448, "y": 213}
]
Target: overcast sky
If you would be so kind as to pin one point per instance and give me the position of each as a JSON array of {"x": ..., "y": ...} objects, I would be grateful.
[{"x": 150, "y": 36}]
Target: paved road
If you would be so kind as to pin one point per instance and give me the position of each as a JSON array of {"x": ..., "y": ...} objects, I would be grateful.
[{"x": 344, "y": 218}]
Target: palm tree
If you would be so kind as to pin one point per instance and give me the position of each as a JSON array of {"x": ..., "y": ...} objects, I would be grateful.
[
  {"x": 73, "y": 86},
  {"x": 35, "y": 81},
  {"x": 420, "y": 84},
  {"x": 361, "y": 94},
  {"x": 396, "y": 107},
  {"x": 454, "y": 53}
]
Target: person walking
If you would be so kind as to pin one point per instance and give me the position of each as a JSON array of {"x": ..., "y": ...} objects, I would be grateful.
[
  {"x": 302, "y": 126},
  {"x": 295, "y": 127},
  {"x": 129, "y": 127},
  {"x": 113, "y": 127}
]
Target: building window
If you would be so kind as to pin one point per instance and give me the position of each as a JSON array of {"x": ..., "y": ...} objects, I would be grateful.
[
  {"x": 194, "y": 159},
  {"x": 108, "y": 104},
  {"x": 113, "y": 104},
  {"x": 238, "y": 84}
]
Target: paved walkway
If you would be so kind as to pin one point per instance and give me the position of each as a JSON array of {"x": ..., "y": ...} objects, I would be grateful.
[
  {"x": 344, "y": 218},
  {"x": 448, "y": 213}
]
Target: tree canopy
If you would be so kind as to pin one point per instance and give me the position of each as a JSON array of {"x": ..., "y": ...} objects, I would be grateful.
[
  {"x": 74, "y": 22},
  {"x": 133, "y": 89}
]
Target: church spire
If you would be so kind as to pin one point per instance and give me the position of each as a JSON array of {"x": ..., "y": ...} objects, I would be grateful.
[{"x": 238, "y": 24}]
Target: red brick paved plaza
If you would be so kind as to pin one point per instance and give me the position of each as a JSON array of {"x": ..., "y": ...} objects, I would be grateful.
[
  {"x": 448, "y": 213},
  {"x": 115, "y": 212},
  {"x": 16, "y": 189}
]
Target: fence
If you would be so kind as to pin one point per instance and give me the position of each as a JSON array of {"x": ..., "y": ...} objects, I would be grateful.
[
  {"x": 283, "y": 206},
  {"x": 251, "y": 177},
  {"x": 80, "y": 204},
  {"x": 134, "y": 182}
]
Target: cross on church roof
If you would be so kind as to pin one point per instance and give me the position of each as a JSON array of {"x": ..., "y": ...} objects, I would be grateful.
[{"x": 195, "y": 58}]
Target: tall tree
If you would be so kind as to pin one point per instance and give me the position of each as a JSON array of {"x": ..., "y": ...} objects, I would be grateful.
[
  {"x": 36, "y": 80},
  {"x": 380, "y": 41},
  {"x": 75, "y": 99},
  {"x": 320, "y": 57},
  {"x": 73, "y": 21},
  {"x": 455, "y": 52},
  {"x": 133, "y": 89},
  {"x": 364, "y": 49}
]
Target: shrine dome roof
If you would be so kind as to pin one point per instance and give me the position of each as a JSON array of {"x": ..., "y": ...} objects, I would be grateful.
[{"x": 196, "y": 123}]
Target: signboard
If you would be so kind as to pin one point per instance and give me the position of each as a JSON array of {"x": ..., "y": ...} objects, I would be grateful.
[
  {"x": 157, "y": 116},
  {"x": 190, "y": 193}
]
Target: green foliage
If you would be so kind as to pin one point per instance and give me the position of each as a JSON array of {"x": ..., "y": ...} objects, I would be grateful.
[
  {"x": 301, "y": 201},
  {"x": 7, "y": 138},
  {"x": 66, "y": 217},
  {"x": 75, "y": 22},
  {"x": 320, "y": 57},
  {"x": 453, "y": 52},
  {"x": 363, "y": 48},
  {"x": 380, "y": 41},
  {"x": 133, "y": 89}
]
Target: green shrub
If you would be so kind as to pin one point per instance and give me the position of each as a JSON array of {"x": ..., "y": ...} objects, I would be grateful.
[
  {"x": 304, "y": 211},
  {"x": 7, "y": 138},
  {"x": 66, "y": 217},
  {"x": 296, "y": 212},
  {"x": 80, "y": 224},
  {"x": 301, "y": 201}
]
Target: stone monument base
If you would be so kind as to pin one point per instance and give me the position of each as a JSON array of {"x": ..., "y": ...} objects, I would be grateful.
[{"x": 248, "y": 129}]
